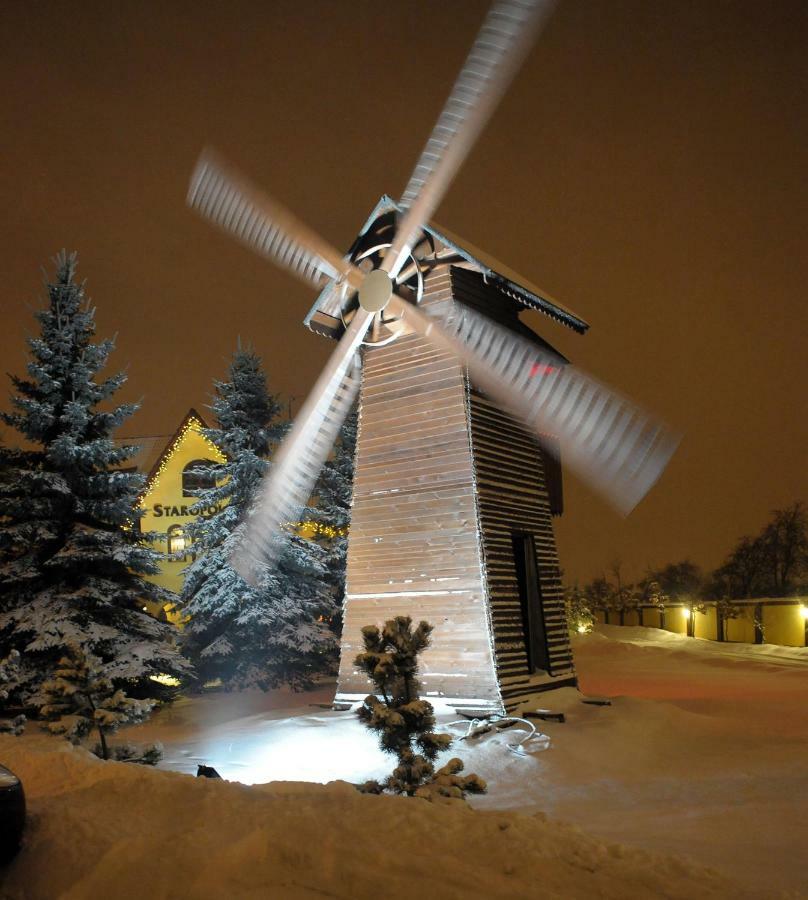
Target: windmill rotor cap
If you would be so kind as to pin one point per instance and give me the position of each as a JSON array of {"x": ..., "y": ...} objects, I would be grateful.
[{"x": 376, "y": 291}]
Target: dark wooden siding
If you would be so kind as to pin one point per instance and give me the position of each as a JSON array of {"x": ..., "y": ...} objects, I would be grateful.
[
  {"x": 512, "y": 496},
  {"x": 553, "y": 477},
  {"x": 470, "y": 288}
]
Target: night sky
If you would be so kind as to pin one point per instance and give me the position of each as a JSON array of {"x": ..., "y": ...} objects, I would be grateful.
[{"x": 647, "y": 168}]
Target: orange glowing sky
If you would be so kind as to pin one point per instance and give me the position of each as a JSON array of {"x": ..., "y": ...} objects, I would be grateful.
[{"x": 647, "y": 169}]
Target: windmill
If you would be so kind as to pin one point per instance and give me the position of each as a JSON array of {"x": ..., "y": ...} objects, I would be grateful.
[{"x": 461, "y": 414}]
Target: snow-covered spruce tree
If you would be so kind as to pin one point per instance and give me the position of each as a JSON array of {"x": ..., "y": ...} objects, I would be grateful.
[
  {"x": 71, "y": 562},
  {"x": 333, "y": 510},
  {"x": 80, "y": 697},
  {"x": 274, "y": 631},
  {"x": 10, "y": 722},
  {"x": 403, "y": 722}
]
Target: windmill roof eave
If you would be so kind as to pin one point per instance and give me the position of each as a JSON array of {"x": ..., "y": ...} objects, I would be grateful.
[{"x": 502, "y": 277}]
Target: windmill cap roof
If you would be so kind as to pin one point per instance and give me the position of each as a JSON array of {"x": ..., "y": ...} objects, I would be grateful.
[{"x": 502, "y": 277}]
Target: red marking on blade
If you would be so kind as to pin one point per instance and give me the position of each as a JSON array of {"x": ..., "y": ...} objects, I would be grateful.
[{"x": 541, "y": 369}]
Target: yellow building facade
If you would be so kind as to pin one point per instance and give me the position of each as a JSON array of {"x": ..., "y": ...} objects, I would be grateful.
[{"x": 169, "y": 501}]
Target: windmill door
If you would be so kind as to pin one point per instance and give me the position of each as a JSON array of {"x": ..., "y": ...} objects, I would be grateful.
[{"x": 527, "y": 574}]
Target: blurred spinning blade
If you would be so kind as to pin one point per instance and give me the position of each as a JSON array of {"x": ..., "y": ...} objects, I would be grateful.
[
  {"x": 297, "y": 463},
  {"x": 608, "y": 441},
  {"x": 506, "y": 36},
  {"x": 228, "y": 199}
]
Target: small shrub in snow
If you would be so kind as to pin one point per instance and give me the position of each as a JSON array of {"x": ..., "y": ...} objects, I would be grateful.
[
  {"x": 9, "y": 672},
  {"x": 80, "y": 697},
  {"x": 654, "y": 595},
  {"x": 403, "y": 722},
  {"x": 580, "y": 618}
]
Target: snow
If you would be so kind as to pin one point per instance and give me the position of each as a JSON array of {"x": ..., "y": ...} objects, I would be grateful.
[
  {"x": 701, "y": 754},
  {"x": 116, "y": 830},
  {"x": 647, "y": 637}
]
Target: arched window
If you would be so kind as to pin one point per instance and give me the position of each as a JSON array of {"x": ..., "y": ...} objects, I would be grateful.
[
  {"x": 178, "y": 540},
  {"x": 198, "y": 475}
]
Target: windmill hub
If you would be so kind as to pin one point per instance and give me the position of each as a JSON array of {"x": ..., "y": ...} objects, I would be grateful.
[{"x": 376, "y": 290}]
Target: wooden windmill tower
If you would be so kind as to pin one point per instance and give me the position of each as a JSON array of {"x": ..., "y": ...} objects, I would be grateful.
[
  {"x": 452, "y": 506},
  {"x": 452, "y": 503}
]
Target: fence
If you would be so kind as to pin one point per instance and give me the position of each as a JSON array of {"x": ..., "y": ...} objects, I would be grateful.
[{"x": 779, "y": 620}]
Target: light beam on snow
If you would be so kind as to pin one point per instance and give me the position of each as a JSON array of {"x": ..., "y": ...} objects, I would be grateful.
[{"x": 317, "y": 748}]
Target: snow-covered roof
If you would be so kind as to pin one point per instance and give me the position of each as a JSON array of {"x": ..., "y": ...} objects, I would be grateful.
[{"x": 330, "y": 300}]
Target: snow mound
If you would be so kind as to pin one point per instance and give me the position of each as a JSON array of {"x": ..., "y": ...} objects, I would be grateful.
[
  {"x": 106, "y": 829},
  {"x": 615, "y": 636}
]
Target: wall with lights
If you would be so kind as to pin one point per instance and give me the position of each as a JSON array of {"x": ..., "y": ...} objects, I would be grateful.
[{"x": 771, "y": 620}]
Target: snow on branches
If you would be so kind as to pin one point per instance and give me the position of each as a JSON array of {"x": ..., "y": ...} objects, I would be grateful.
[
  {"x": 403, "y": 722},
  {"x": 81, "y": 697},
  {"x": 72, "y": 563},
  {"x": 274, "y": 631},
  {"x": 9, "y": 674}
]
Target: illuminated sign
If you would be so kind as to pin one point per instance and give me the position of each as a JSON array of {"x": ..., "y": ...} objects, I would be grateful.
[{"x": 159, "y": 510}]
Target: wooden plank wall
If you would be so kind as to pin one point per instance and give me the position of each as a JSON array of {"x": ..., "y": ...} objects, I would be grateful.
[
  {"x": 513, "y": 495},
  {"x": 414, "y": 545}
]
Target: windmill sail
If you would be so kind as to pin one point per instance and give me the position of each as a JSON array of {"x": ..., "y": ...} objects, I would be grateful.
[
  {"x": 617, "y": 448},
  {"x": 506, "y": 36}
]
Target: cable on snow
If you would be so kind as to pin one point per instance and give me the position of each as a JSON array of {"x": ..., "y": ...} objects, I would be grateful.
[{"x": 479, "y": 727}]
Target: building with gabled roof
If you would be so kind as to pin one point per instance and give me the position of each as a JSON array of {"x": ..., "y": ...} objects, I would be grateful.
[{"x": 172, "y": 466}]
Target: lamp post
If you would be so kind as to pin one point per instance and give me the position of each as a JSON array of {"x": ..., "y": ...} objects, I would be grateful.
[{"x": 687, "y": 612}]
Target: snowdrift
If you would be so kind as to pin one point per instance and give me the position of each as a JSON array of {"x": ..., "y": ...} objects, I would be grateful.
[{"x": 105, "y": 829}]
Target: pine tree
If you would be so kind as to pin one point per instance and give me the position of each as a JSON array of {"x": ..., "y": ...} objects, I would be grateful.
[
  {"x": 71, "y": 561},
  {"x": 403, "y": 722},
  {"x": 9, "y": 674},
  {"x": 333, "y": 510},
  {"x": 274, "y": 631},
  {"x": 80, "y": 697}
]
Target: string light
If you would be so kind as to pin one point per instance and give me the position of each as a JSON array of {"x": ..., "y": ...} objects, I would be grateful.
[
  {"x": 168, "y": 680},
  {"x": 193, "y": 424},
  {"x": 319, "y": 528}
]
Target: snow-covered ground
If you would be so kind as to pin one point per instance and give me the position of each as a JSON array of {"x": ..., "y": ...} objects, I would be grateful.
[{"x": 701, "y": 754}]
